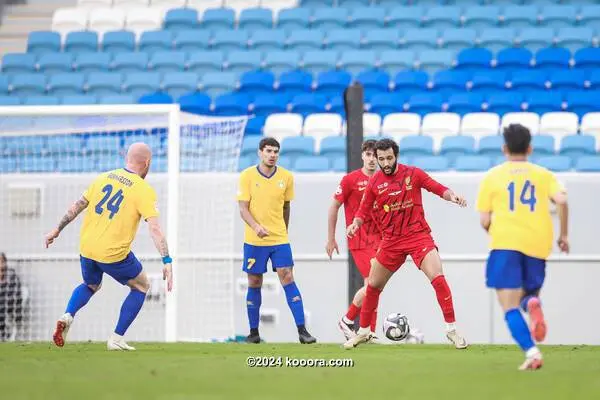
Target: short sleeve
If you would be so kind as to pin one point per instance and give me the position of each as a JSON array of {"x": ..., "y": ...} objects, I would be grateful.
[
  {"x": 147, "y": 205},
  {"x": 342, "y": 191},
  {"x": 243, "y": 193},
  {"x": 289, "y": 189},
  {"x": 555, "y": 185},
  {"x": 484, "y": 197}
]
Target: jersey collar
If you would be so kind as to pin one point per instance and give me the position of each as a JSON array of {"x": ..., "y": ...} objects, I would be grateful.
[
  {"x": 268, "y": 177},
  {"x": 131, "y": 172}
]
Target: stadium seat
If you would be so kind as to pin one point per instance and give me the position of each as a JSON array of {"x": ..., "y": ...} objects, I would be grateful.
[
  {"x": 129, "y": 4},
  {"x": 67, "y": 20},
  {"x": 295, "y": 82},
  {"x": 39, "y": 42},
  {"x": 246, "y": 162},
  {"x": 8, "y": 165},
  {"x": 218, "y": 19},
  {"x": 103, "y": 83},
  {"x": 167, "y": 61},
  {"x": 420, "y": 39},
  {"x": 558, "y": 15},
  {"x": 151, "y": 140},
  {"x": 463, "y": 103},
  {"x": 53, "y": 63},
  {"x": 94, "y": 3},
  {"x": 92, "y": 62},
  {"x": 356, "y": 61},
  {"x": 374, "y": 82},
  {"x": 130, "y": 62},
  {"x": 103, "y": 144},
  {"x": 322, "y": 125},
  {"x": 442, "y": 17},
  {"x": 37, "y": 164},
  {"x": 343, "y": 39},
  {"x": 305, "y": 39},
  {"x": 106, "y": 19},
  {"x": 66, "y": 84},
  {"x": 117, "y": 99},
  {"x": 9, "y": 100},
  {"x": 281, "y": 61},
  {"x": 480, "y": 124},
  {"x": 192, "y": 40},
  {"x": 371, "y": 124},
  {"x": 536, "y": 38},
  {"x": 520, "y": 16},
  {"x": 495, "y": 39},
  {"x": 336, "y": 105},
  {"x": 576, "y": 146},
  {"x": 474, "y": 58},
  {"x": 329, "y": 18},
  {"x": 401, "y": 124},
  {"x": 255, "y": 125},
  {"x": 214, "y": 83},
  {"x": 440, "y": 124},
  {"x": 311, "y": 164},
  {"x": 40, "y": 101},
  {"x": 242, "y": 61},
  {"x": 448, "y": 82},
  {"x": 486, "y": 81},
  {"x": 433, "y": 60},
  {"x": 339, "y": 164},
  {"x": 589, "y": 15},
  {"x": 528, "y": 119},
  {"x": 414, "y": 146},
  {"x": 411, "y": 81},
  {"x": 296, "y": 146},
  {"x": 381, "y": 39},
  {"x": 231, "y": 104},
  {"x": 526, "y": 80},
  {"x": 228, "y": 40},
  {"x": 396, "y": 61},
  {"x": 20, "y": 145},
  {"x": 478, "y": 17},
  {"x": 139, "y": 83},
  {"x": 319, "y": 61},
  {"x": 513, "y": 58},
  {"x": 293, "y": 18},
  {"x": 424, "y": 103},
  {"x": 75, "y": 100},
  {"x": 250, "y": 146},
  {"x": 181, "y": 19},
  {"x": 333, "y": 147},
  {"x": 80, "y": 42},
  {"x": 490, "y": 145},
  {"x": 64, "y": 144},
  {"x": 583, "y": 164},
  {"x": 582, "y": 103},
  {"x": 590, "y": 124},
  {"x": 387, "y": 103},
  {"x": 472, "y": 163},
  {"x": 458, "y": 38},
  {"x": 458, "y": 145},
  {"x": 28, "y": 84},
  {"x": 159, "y": 164},
  {"x": 202, "y": 62},
  {"x": 282, "y": 125},
  {"x": 574, "y": 38},
  {"x": 568, "y": 80},
  {"x": 431, "y": 163},
  {"x": 559, "y": 124},
  {"x": 555, "y": 163},
  {"x": 14, "y": 63},
  {"x": 541, "y": 102},
  {"x": 118, "y": 41},
  {"x": 267, "y": 40},
  {"x": 332, "y": 83},
  {"x": 306, "y": 104},
  {"x": 156, "y": 98},
  {"x": 252, "y": 19},
  {"x": 543, "y": 145},
  {"x": 151, "y": 41},
  {"x": 76, "y": 164},
  {"x": 196, "y": 103},
  {"x": 552, "y": 58},
  {"x": 405, "y": 17},
  {"x": 257, "y": 82},
  {"x": 367, "y": 18}
]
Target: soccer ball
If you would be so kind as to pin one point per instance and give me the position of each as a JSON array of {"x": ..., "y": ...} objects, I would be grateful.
[{"x": 396, "y": 327}]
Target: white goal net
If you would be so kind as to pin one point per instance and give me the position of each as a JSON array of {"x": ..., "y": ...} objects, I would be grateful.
[{"x": 48, "y": 157}]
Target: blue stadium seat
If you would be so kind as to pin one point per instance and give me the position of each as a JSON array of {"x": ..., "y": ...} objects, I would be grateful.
[
  {"x": 218, "y": 19},
  {"x": 255, "y": 18},
  {"x": 159, "y": 164},
  {"x": 355, "y": 61},
  {"x": 343, "y": 39},
  {"x": 311, "y": 164},
  {"x": 332, "y": 83},
  {"x": 414, "y": 146},
  {"x": 442, "y": 17},
  {"x": 9, "y": 101},
  {"x": 491, "y": 145},
  {"x": 536, "y": 38},
  {"x": 28, "y": 84},
  {"x": 151, "y": 140},
  {"x": 178, "y": 83},
  {"x": 411, "y": 81},
  {"x": 117, "y": 99},
  {"x": 458, "y": 38},
  {"x": 333, "y": 147},
  {"x": 590, "y": 15},
  {"x": 472, "y": 163},
  {"x": 425, "y": 103},
  {"x": 575, "y": 37},
  {"x": 568, "y": 80},
  {"x": 214, "y": 83},
  {"x": 420, "y": 39},
  {"x": 280, "y": 61},
  {"x": 431, "y": 163},
  {"x": 196, "y": 103},
  {"x": 495, "y": 39},
  {"x": 405, "y": 17},
  {"x": 336, "y": 105},
  {"x": 180, "y": 19},
  {"x": 66, "y": 84},
  {"x": 255, "y": 125},
  {"x": 192, "y": 40},
  {"x": 130, "y": 62},
  {"x": 14, "y": 63},
  {"x": 353, "y": 4},
  {"x": 293, "y": 18},
  {"x": 455, "y": 146},
  {"x": 434, "y": 60},
  {"x": 138, "y": 83},
  {"x": 53, "y": 63},
  {"x": 231, "y": 104},
  {"x": 152, "y": 41},
  {"x": 529, "y": 80},
  {"x": 39, "y": 42},
  {"x": 329, "y": 18},
  {"x": 594, "y": 80},
  {"x": 306, "y": 104},
  {"x": 103, "y": 83},
  {"x": 257, "y": 82},
  {"x": 543, "y": 145},
  {"x": 242, "y": 61},
  {"x": 583, "y": 102},
  {"x": 271, "y": 104},
  {"x": 81, "y": 42},
  {"x": 64, "y": 144},
  {"x": 583, "y": 164},
  {"x": 489, "y": 80},
  {"x": 339, "y": 164},
  {"x": 558, "y": 15},
  {"x": 552, "y": 58},
  {"x": 297, "y": 146},
  {"x": 8, "y": 165},
  {"x": 513, "y": 58},
  {"x": 474, "y": 58},
  {"x": 319, "y": 61},
  {"x": 103, "y": 144},
  {"x": 76, "y": 100},
  {"x": 118, "y": 42},
  {"x": 587, "y": 58},
  {"x": 230, "y": 40},
  {"x": 267, "y": 40},
  {"x": 76, "y": 164},
  {"x": 464, "y": 103},
  {"x": 374, "y": 82},
  {"x": 576, "y": 146},
  {"x": 108, "y": 163},
  {"x": 504, "y": 102},
  {"x": 37, "y": 164},
  {"x": 520, "y": 16},
  {"x": 305, "y": 39},
  {"x": 555, "y": 163},
  {"x": 18, "y": 145},
  {"x": 250, "y": 145},
  {"x": 478, "y": 17},
  {"x": 541, "y": 102},
  {"x": 367, "y": 18},
  {"x": 381, "y": 39},
  {"x": 450, "y": 81},
  {"x": 167, "y": 61},
  {"x": 202, "y": 62},
  {"x": 394, "y": 61},
  {"x": 3, "y": 84},
  {"x": 40, "y": 101},
  {"x": 92, "y": 62},
  {"x": 246, "y": 162}
]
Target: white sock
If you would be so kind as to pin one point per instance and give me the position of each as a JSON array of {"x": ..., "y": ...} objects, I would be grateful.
[
  {"x": 347, "y": 320},
  {"x": 364, "y": 331},
  {"x": 532, "y": 352},
  {"x": 116, "y": 337},
  {"x": 450, "y": 326}
]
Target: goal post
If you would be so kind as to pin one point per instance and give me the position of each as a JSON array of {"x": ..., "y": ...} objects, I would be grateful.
[{"x": 51, "y": 153}]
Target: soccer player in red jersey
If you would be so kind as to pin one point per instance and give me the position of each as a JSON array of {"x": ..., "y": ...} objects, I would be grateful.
[
  {"x": 364, "y": 244},
  {"x": 393, "y": 195}
]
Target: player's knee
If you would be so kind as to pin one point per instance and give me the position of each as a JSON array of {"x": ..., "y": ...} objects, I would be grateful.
[
  {"x": 285, "y": 276},
  {"x": 254, "y": 280},
  {"x": 95, "y": 288}
]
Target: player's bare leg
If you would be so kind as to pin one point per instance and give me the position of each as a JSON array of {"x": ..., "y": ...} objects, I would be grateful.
[
  {"x": 129, "y": 310},
  {"x": 64, "y": 323},
  {"x": 294, "y": 300},
  {"x": 432, "y": 268},
  {"x": 255, "y": 282},
  {"x": 378, "y": 278},
  {"x": 509, "y": 300}
]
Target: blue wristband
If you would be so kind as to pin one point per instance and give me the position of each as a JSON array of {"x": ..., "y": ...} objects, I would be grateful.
[{"x": 167, "y": 260}]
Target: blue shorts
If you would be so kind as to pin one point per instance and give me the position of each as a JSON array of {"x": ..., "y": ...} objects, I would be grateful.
[
  {"x": 121, "y": 271},
  {"x": 256, "y": 257},
  {"x": 510, "y": 269}
]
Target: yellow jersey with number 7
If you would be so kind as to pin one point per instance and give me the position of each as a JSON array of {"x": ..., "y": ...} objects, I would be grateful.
[
  {"x": 117, "y": 200},
  {"x": 518, "y": 196}
]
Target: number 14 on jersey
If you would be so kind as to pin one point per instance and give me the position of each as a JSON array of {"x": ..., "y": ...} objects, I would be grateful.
[{"x": 527, "y": 196}]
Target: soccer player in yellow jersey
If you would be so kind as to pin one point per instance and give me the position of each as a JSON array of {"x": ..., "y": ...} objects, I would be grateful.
[
  {"x": 514, "y": 205},
  {"x": 264, "y": 195},
  {"x": 115, "y": 201}
]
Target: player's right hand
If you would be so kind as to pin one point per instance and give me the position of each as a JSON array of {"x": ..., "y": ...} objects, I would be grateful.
[
  {"x": 331, "y": 245},
  {"x": 168, "y": 276},
  {"x": 260, "y": 231},
  {"x": 53, "y": 234},
  {"x": 563, "y": 244},
  {"x": 352, "y": 229}
]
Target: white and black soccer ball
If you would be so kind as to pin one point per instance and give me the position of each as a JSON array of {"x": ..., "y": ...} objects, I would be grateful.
[{"x": 396, "y": 327}]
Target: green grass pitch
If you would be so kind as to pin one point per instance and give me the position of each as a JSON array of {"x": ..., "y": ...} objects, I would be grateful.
[{"x": 219, "y": 371}]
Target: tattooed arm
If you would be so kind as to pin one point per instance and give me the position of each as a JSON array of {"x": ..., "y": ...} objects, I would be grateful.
[
  {"x": 71, "y": 214},
  {"x": 158, "y": 237}
]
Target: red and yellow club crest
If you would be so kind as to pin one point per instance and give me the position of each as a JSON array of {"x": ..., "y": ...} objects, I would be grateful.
[{"x": 407, "y": 183}]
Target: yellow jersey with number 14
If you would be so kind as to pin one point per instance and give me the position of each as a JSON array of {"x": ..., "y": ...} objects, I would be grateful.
[
  {"x": 117, "y": 199},
  {"x": 518, "y": 196},
  {"x": 266, "y": 196}
]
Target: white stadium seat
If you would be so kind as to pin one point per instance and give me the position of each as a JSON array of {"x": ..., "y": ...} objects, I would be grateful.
[
  {"x": 590, "y": 125},
  {"x": 144, "y": 19},
  {"x": 527, "y": 119},
  {"x": 480, "y": 124},
  {"x": 168, "y": 4},
  {"x": 371, "y": 124},
  {"x": 239, "y": 5},
  {"x": 283, "y": 125},
  {"x": 94, "y": 3},
  {"x": 277, "y": 5},
  {"x": 67, "y": 20},
  {"x": 559, "y": 124},
  {"x": 129, "y": 4},
  {"x": 401, "y": 124},
  {"x": 438, "y": 125},
  {"x": 203, "y": 5},
  {"x": 322, "y": 125},
  {"x": 107, "y": 19}
]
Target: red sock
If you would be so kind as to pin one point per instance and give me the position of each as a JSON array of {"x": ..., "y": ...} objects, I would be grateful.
[
  {"x": 374, "y": 321},
  {"x": 369, "y": 306},
  {"x": 353, "y": 312},
  {"x": 444, "y": 297}
]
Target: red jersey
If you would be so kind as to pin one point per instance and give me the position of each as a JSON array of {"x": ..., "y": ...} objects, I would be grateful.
[
  {"x": 395, "y": 201},
  {"x": 350, "y": 193}
]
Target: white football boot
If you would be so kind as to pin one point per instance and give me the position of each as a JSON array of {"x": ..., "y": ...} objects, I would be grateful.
[
  {"x": 62, "y": 328},
  {"x": 347, "y": 329},
  {"x": 456, "y": 339},
  {"x": 362, "y": 336},
  {"x": 116, "y": 342},
  {"x": 533, "y": 360}
]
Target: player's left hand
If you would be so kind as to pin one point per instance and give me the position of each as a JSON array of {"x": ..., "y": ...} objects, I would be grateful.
[
  {"x": 352, "y": 229},
  {"x": 168, "y": 276},
  {"x": 53, "y": 234},
  {"x": 563, "y": 244},
  {"x": 456, "y": 199}
]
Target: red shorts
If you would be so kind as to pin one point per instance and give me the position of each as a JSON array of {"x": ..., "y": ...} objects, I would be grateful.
[
  {"x": 362, "y": 258},
  {"x": 393, "y": 254}
]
